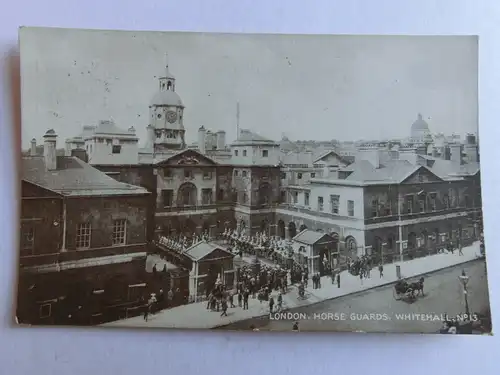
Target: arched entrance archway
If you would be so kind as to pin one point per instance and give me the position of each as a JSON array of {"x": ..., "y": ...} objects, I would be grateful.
[
  {"x": 187, "y": 194},
  {"x": 292, "y": 229},
  {"x": 351, "y": 247},
  {"x": 281, "y": 229},
  {"x": 188, "y": 228}
]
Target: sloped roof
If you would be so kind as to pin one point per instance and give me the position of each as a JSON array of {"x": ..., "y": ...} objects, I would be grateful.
[
  {"x": 248, "y": 137},
  {"x": 309, "y": 237},
  {"x": 450, "y": 170},
  {"x": 202, "y": 249},
  {"x": 391, "y": 171},
  {"x": 297, "y": 158},
  {"x": 324, "y": 154},
  {"x": 73, "y": 177}
]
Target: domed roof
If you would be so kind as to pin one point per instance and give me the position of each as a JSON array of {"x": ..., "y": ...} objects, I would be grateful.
[
  {"x": 420, "y": 125},
  {"x": 167, "y": 97}
]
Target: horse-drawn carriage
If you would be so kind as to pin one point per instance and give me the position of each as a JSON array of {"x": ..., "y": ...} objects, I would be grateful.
[{"x": 408, "y": 291}]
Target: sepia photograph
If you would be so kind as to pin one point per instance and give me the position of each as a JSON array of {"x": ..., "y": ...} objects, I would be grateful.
[{"x": 251, "y": 182}]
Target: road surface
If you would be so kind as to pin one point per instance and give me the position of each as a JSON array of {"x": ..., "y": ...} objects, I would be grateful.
[{"x": 443, "y": 295}]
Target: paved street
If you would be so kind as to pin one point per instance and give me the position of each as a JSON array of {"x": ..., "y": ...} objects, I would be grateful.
[{"x": 443, "y": 295}]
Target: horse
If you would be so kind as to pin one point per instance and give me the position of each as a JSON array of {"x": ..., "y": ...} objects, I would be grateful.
[{"x": 418, "y": 287}]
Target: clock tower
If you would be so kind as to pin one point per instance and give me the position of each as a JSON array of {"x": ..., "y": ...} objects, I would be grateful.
[{"x": 166, "y": 116}]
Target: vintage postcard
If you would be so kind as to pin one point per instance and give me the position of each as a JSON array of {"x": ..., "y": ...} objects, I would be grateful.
[{"x": 251, "y": 182}]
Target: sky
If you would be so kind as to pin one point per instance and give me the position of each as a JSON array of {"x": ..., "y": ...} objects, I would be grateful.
[{"x": 302, "y": 86}]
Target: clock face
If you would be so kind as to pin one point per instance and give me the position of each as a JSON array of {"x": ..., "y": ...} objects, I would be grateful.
[{"x": 171, "y": 116}]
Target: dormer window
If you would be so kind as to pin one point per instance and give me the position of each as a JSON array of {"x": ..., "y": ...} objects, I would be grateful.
[
  {"x": 116, "y": 149},
  {"x": 265, "y": 153}
]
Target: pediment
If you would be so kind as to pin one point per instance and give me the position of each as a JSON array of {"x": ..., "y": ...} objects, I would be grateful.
[
  {"x": 420, "y": 176},
  {"x": 217, "y": 254},
  {"x": 187, "y": 158}
]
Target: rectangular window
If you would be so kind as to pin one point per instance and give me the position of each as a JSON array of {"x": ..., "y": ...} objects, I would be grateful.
[
  {"x": 432, "y": 201},
  {"x": 168, "y": 198},
  {"x": 188, "y": 173},
  {"x": 45, "y": 310},
  {"x": 168, "y": 173},
  {"x": 244, "y": 152},
  {"x": 421, "y": 204},
  {"x": 265, "y": 153},
  {"x": 83, "y": 234},
  {"x": 27, "y": 240},
  {"x": 206, "y": 196},
  {"x": 207, "y": 175},
  {"x": 283, "y": 196},
  {"x": 235, "y": 152},
  {"x": 375, "y": 208},
  {"x": 283, "y": 175},
  {"x": 306, "y": 199},
  {"x": 320, "y": 204},
  {"x": 409, "y": 204},
  {"x": 236, "y": 173},
  {"x": 466, "y": 201},
  {"x": 295, "y": 197},
  {"x": 350, "y": 208},
  {"x": 299, "y": 176},
  {"x": 119, "y": 232},
  {"x": 116, "y": 149},
  {"x": 243, "y": 173},
  {"x": 313, "y": 175},
  {"x": 334, "y": 204}
]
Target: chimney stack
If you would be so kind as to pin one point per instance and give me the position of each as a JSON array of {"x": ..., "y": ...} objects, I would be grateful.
[
  {"x": 49, "y": 150},
  {"x": 221, "y": 140},
  {"x": 201, "y": 139},
  {"x": 33, "y": 147},
  {"x": 456, "y": 153},
  {"x": 81, "y": 154}
]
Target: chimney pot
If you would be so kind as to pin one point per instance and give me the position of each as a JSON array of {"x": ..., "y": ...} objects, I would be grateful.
[{"x": 49, "y": 150}]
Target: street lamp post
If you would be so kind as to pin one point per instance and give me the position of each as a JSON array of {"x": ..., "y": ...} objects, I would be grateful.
[{"x": 464, "y": 279}]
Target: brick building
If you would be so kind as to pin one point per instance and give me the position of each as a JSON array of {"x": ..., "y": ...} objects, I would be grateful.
[{"x": 83, "y": 241}]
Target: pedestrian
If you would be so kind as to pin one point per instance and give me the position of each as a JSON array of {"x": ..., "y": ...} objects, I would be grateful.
[
  {"x": 240, "y": 298},
  {"x": 318, "y": 281},
  {"x": 381, "y": 270},
  {"x": 209, "y": 301},
  {"x": 246, "y": 294},
  {"x": 333, "y": 276},
  {"x": 361, "y": 277},
  {"x": 224, "y": 307},
  {"x": 231, "y": 298},
  {"x": 338, "y": 280},
  {"x": 280, "y": 302},
  {"x": 271, "y": 304},
  {"x": 146, "y": 313}
]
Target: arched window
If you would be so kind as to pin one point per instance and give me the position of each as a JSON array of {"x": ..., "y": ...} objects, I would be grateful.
[
  {"x": 187, "y": 195},
  {"x": 292, "y": 229},
  {"x": 169, "y": 85},
  {"x": 351, "y": 244}
]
